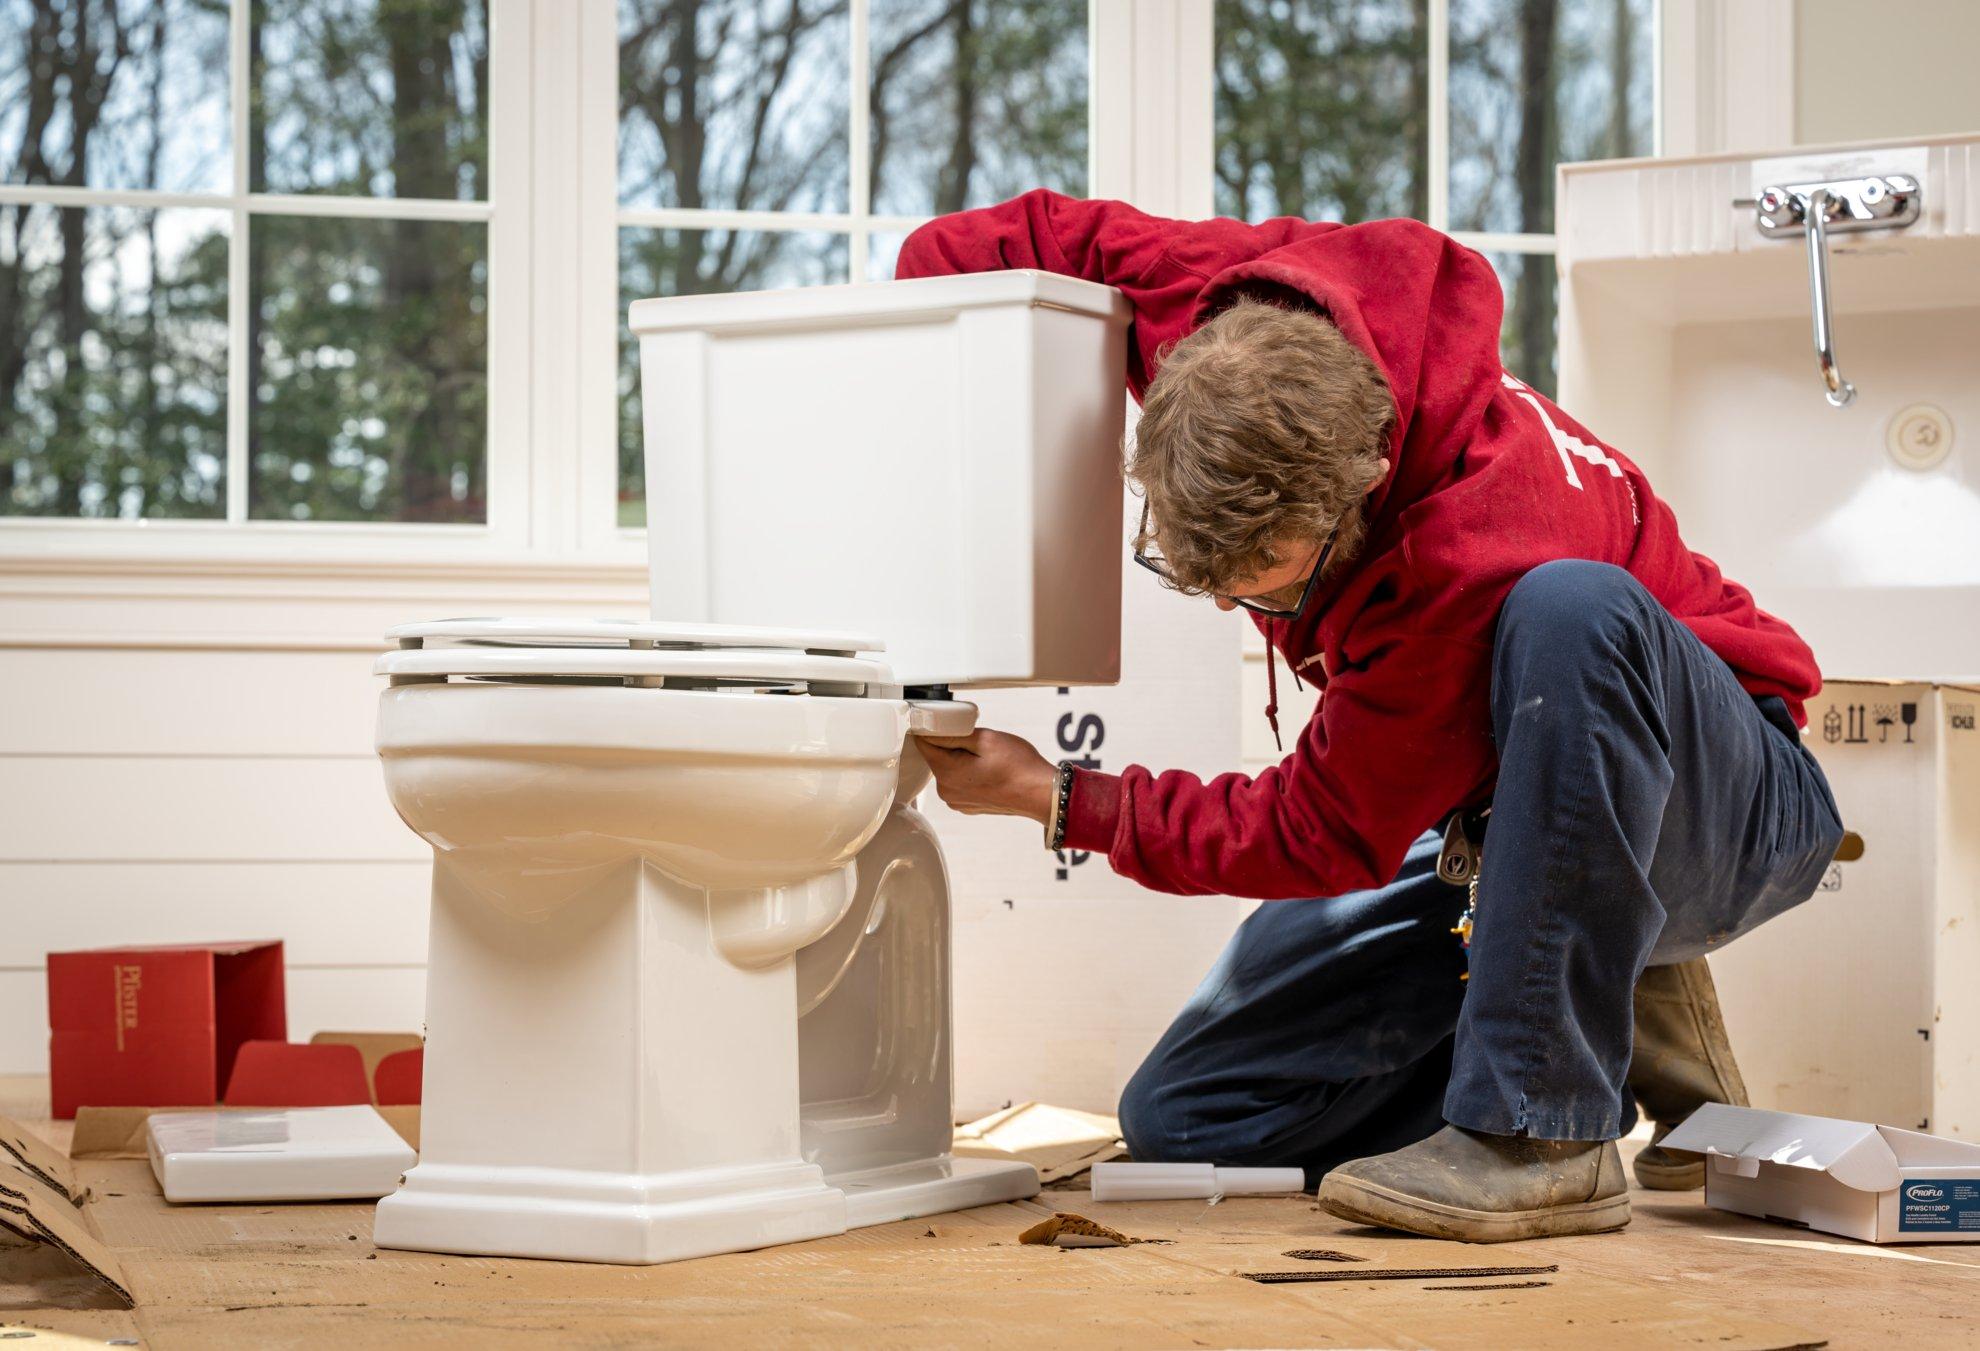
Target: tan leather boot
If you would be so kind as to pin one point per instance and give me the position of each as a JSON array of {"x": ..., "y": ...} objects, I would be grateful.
[
  {"x": 1484, "y": 1188},
  {"x": 1682, "y": 1060}
]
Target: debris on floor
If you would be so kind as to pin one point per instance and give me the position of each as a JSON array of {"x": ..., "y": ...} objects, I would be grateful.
[{"x": 1076, "y": 1231}]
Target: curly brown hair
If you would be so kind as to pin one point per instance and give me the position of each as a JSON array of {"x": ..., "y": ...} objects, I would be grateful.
[{"x": 1266, "y": 423}]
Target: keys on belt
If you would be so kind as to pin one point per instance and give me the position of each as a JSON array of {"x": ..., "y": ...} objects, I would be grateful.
[
  {"x": 1464, "y": 840},
  {"x": 1458, "y": 864}
]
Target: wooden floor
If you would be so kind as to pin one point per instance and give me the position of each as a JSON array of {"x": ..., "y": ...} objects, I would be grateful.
[{"x": 1680, "y": 1275}]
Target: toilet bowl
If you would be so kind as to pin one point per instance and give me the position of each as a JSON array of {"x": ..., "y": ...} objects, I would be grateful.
[{"x": 639, "y": 832}]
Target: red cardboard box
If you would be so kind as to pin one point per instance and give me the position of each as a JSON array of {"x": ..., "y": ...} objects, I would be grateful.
[{"x": 157, "y": 1026}]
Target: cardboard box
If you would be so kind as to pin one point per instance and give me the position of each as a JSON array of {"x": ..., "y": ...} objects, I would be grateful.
[
  {"x": 1877, "y": 1183},
  {"x": 1863, "y": 1002},
  {"x": 157, "y": 1026}
]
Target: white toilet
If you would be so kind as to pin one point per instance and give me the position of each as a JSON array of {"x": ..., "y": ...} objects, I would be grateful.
[{"x": 688, "y": 983}]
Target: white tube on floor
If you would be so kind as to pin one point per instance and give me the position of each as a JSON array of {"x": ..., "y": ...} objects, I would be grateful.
[{"x": 1190, "y": 1181}]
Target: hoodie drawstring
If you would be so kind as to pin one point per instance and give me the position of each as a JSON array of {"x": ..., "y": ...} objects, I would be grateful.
[
  {"x": 1272, "y": 690},
  {"x": 1272, "y": 683}
]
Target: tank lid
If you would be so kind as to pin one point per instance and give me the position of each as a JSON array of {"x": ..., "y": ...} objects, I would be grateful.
[{"x": 809, "y": 305}]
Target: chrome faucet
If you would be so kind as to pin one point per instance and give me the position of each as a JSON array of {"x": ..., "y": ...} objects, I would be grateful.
[{"x": 1817, "y": 210}]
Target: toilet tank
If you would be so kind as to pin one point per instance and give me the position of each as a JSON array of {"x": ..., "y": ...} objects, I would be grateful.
[{"x": 934, "y": 462}]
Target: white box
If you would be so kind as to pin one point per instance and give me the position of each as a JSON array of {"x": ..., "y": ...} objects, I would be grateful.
[
  {"x": 1875, "y": 1183},
  {"x": 283, "y": 1154},
  {"x": 1863, "y": 1002}
]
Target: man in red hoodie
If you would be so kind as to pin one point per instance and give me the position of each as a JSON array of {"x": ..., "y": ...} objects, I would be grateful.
[{"x": 1508, "y": 632}]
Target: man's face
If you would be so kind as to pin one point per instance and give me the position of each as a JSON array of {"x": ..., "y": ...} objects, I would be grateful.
[{"x": 1283, "y": 583}]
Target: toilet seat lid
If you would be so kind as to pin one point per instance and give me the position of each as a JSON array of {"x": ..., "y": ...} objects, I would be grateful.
[
  {"x": 557, "y": 632},
  {"x": 497, "y": 648}
]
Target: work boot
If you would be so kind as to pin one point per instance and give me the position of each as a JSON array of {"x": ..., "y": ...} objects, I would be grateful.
[
  {"x": 1484, "y": 1188},
  {"x": 1681, "y": 1060}
]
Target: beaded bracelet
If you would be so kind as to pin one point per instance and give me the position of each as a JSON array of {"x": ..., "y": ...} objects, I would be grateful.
[{"x": 1055, "y": 827}]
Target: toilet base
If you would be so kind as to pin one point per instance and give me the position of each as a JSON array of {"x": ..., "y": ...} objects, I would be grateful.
[
  {"x": 935, "y": 1186},
  {"x": 628, "y": 1218}
]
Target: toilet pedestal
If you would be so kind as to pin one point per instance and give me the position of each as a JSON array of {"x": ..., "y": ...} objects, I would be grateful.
[
  {"x": 874, "y": 1055},
  {"x": 603, "y": 1085}
]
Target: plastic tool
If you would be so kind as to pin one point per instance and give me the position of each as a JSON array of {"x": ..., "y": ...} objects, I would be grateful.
[{"x": 1190, "y": 1181}]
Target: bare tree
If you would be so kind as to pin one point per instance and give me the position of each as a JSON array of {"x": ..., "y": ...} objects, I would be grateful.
[{"x": 1533, "y": 176}]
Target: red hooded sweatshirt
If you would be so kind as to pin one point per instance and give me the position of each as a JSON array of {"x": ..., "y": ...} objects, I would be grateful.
[{"x": 1488, "y": 481}]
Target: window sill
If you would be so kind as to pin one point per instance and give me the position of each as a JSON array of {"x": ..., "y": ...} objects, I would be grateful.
[
  {"x": 275, "y": 550},
  {"x": 206, "y": 586}
]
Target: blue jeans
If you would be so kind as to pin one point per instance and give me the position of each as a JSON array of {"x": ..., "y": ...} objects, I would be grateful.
[{"x": 1647, "y": 810}]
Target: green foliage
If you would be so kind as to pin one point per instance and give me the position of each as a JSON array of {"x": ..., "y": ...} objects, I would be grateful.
[
  {"x": 116, "y": 365},
  {"x": 366, "y": 352},
  {"x": 369, "y": 371},
  {"x": 1322, "y": 108}
]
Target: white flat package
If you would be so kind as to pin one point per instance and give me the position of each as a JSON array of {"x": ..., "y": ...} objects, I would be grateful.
[{"x": 282, "y": 1154}]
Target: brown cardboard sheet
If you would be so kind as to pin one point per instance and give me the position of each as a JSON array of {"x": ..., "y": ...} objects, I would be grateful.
[
  {"x": 39, "y": 1204},
  {"x": 308, "y": 1275}
]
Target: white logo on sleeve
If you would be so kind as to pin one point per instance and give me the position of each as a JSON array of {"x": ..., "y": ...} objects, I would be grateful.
[{"x": 1567, "y": 446}]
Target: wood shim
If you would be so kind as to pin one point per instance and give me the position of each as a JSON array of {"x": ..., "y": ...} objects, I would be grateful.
[
  {"x": 1494, "y": 1285},
  {"x": 1322, "y": 1255},
  {"x": 1390, "y": 1274}
]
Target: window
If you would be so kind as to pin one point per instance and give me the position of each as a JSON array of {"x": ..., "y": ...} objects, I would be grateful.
[
  {"x": 747, "y": 161},
  {"x": 244, "y": 259},
  {"x": 1454, "y": 112},
  {"x": 256, "y": 255}
]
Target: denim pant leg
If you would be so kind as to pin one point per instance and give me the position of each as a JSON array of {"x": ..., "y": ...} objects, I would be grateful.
[
  {"x": 1323, "y": 1033},
  {"x": 1647, "y": 809}
]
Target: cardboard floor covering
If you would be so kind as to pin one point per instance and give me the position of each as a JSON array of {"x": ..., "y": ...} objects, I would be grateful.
[{"x": 308, "y": 1275}]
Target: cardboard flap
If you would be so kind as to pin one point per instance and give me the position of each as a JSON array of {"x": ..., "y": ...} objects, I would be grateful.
[
  {"x": 374, "y": 1047},
  {"x": 1851, "y": 1152},
  {"x": 290, "y": 1074},
  {"x": 43, "y": 1211},
  {"x": 1913, "y": 1150},
  {"x": 1058, "y": 1141},
  {"x": 31, "y": 1154}
]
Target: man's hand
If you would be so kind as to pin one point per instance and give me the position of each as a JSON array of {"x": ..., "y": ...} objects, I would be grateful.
[{"x": 990, "y": 774}]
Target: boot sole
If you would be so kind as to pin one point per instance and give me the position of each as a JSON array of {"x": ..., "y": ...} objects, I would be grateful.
[{"x": 1368, "y": 1203}]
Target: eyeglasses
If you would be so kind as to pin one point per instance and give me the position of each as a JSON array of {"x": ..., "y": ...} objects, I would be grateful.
[{"x": 1154, "y": 563}]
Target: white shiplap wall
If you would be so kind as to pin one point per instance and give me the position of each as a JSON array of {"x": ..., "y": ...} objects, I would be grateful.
[{"x": 186, "y": 756}]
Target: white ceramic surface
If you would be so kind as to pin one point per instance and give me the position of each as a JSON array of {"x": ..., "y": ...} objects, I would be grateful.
[
  {"x": 624, "y": 879},
  {"x": 287, "y": 1154},
  {"x": 935, "y": 461}
]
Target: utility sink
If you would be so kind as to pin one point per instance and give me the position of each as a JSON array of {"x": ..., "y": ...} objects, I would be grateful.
[{"x": 1687, "y": 341}]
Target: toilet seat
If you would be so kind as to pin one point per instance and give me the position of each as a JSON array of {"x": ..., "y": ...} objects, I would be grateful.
[{"x": 637, "y": 652}]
